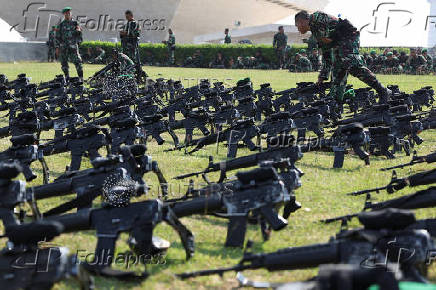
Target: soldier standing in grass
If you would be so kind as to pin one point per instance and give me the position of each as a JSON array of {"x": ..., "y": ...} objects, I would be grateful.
[
  {"x": 339, "y": 42},
  {"x": 130, "y": 37},
  {"x": 279, "y": 44},
  {"x": 51, "y": 43},
  {"x": 68, "y": 38},
  {"x": 171, "y": 44},
  {"x": 227, "y": 38}
]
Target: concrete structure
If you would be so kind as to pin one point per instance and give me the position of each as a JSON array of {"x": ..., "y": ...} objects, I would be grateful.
[
  {"x": 100, "y": 20},
  {"x": 23, "y": 51},
  {"x": 189, "y": 19}
]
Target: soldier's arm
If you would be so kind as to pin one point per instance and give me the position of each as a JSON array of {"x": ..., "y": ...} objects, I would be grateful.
[
  {"x": 274, "y": 40},
  {"x": 58, "y": 37}
]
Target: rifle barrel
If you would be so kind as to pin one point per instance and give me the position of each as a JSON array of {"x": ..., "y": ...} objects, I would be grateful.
[{"x": 356, "y": 193}]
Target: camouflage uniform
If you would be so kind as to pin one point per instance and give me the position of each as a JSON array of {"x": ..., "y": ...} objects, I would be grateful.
[
  {"x": 68, "y": 40},
  {"x": 316, "y": 61},
  {"x": 171, "y": 43},
  {"x": 227, "y": 39},
  {"x": 414, "y": 64},
  {"x": 304, "y": 64},
  {"x": 391, "y": 65},
  {"x": 300, "y": 64},
  {"x": 343, "y": 54},
  {"x": 101, "y": 57},
  {"x": 260, "y": 62},
  {"x": 127, "y": 66},
  {"x": 51, "y": 43},
  {"x": 129, "y": 42},
  {"x": 429, "y": 60},
  {"x": 194, "y": 61},
  {"x": 279, "y": 43},
  {"x": 403, "y": 59},
  {"x": 311, "y": 43}
]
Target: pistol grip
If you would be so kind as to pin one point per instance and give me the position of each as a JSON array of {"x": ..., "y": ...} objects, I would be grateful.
[
  {"x": 276, "y": 221},
  {"x": 339, "y": 157},
  {"x": 105, "y": 250},
  {"x": 236, "y": 231}
]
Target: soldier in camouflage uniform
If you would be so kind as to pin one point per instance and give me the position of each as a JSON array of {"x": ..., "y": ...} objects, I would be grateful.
[
  {"x": 315, "y": 60},
  {"x": 196, "y": 60},
  {"x": 126, "y": 65},
  {"x": 100, "y": 58},
  {"x": 68, "y": 38},
  {"x": 260, "y": 61},
  {"x": 227, "y": 38},
  {"x": 429, "y": 60},
  {"x": 416, "y": 63},
  {"x": 279, "y": 43},
  {"x": 130, "y": 37},
  {"x": 303, "y": 63},
  {"x": 403, "y": 58},
  {"x": 339, "y": 43},
  {"x": 51, "y": 43},
  {"x": 171, "y": 44},
  {"x": 391, "y": 64}
]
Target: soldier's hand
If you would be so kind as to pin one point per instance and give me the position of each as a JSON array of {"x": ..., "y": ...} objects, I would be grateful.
[
  {"x": 123, "y": 33},
  {"x": 78, "y": 28},
  {"x": 57, "y": 51}
]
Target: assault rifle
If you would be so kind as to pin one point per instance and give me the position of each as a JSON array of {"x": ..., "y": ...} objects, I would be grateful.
[
  {"x": 293, "y": 153},
  {"x": 138, "y": 219},
  {"x": 369, "y": 246},
  {"x": 26, "y": 265},
  {"x": 421, "y": 178},
  {"x": 25, "y": 151},
  {"x": 243, "y": 130},
  {"x": 421, "y": 199},
  {"x": 430, "y": 158},
  {"x": 258, "y": 192}
]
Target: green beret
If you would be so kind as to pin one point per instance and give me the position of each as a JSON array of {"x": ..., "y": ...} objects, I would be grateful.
[
  {"x": 424, "y": 50},
  {"x": 68, "y": 8},
  {"x": 373, "y": 52},
  {"x": 389, "y": 53},
  {"x": 302, "y": 50}
]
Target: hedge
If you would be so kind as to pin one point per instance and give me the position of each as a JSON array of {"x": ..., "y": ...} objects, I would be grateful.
[{"x": 159, "y": 52}]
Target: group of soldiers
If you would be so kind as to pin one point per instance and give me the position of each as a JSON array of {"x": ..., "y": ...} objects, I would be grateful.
[
  {"x": 65, "y": 39},
  {"x": 418, "y": 61}
]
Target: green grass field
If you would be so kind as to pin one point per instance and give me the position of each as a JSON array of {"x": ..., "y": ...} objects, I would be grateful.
[{"x": 322, "y": 194}]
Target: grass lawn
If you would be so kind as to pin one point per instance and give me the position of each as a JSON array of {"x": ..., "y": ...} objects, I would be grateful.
[{"x": 322, "y": 194}]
